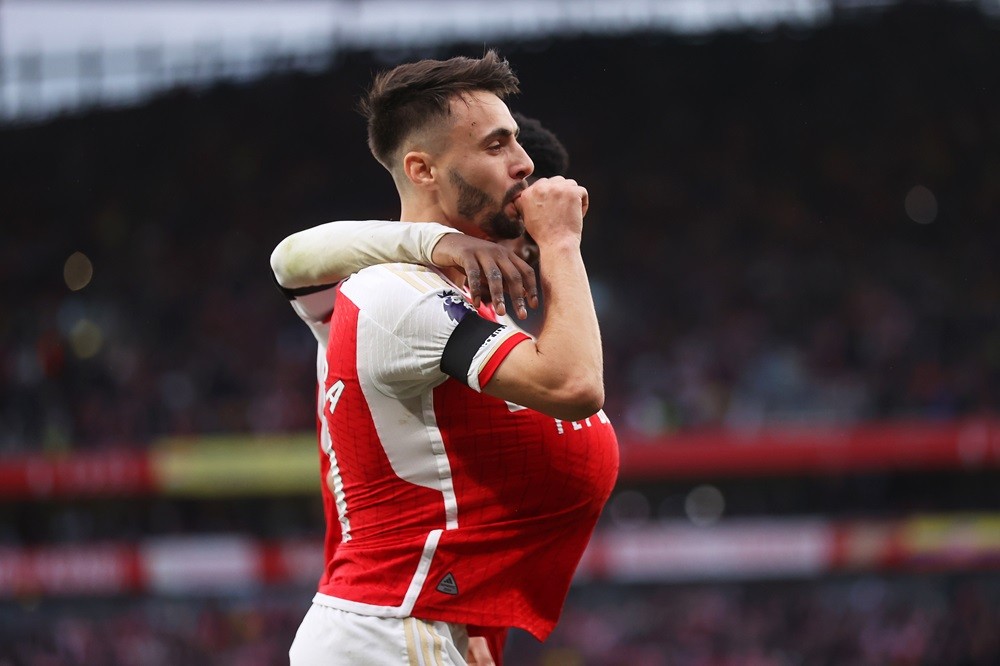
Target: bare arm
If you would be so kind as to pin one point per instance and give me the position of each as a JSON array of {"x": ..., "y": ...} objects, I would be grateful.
[
  {"x": 562, "y": 372},
  {"x": 478, "y": 653}
]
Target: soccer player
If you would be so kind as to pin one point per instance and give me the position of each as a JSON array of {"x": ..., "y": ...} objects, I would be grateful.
[
  {"x": 308, "y": 264},
  {"x": 468, "y": 462},
  {"x": 325, "y": 255}
]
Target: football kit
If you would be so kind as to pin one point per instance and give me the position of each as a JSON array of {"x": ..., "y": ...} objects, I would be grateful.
[{"x": 444, "y": 503}]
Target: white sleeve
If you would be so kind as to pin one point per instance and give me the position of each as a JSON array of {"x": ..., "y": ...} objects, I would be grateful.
[
  {"x": 418, "y": 329},
  {"x": 328, "y": 253},
  {"x": 315, "y": 310}
]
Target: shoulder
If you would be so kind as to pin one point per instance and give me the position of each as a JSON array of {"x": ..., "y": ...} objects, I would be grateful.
[
  {"x": 410, "y": 279},
  {"x": 390, "y": 293}
]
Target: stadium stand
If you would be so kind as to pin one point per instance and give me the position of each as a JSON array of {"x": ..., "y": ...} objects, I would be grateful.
[{"x": 793, "y": 245}]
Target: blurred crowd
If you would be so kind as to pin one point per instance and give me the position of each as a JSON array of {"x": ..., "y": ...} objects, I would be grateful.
[
  {"x": 791, "y": 226},
  {"x": 784, "y": 227},
  {"x": 851, "y": 621},
  {"x": 860, "y": 621}
]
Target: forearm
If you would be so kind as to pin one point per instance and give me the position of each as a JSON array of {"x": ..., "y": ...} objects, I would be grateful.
[
  {"x": 330, "y": 252},
  {"x": 562, "y": 372},
  {"x": 570, "y": 338}
]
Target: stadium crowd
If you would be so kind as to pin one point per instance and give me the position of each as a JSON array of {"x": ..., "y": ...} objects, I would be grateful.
[
  {"x": 862, "y": 621},
  {"x": 781, "y": 229},
  {"x": 784, "y": 227}
]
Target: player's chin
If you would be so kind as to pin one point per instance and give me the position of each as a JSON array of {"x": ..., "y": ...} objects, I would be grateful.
[{"x": 502, "y": 226}]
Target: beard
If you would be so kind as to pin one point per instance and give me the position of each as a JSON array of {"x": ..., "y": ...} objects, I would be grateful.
[{"x": 487, "y": 214}]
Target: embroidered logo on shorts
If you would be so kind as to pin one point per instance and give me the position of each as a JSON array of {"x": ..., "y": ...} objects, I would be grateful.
[{"x": 448, "y": 584}]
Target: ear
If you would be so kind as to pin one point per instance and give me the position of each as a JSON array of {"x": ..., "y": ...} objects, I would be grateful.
[{"x": 418, "y": 167}]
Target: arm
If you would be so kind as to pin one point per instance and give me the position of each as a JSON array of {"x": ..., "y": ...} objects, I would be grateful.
[
  {"x": 478, "y": 652},
  {"x": 562, "y": 372},
  {"x": 324, "y": 255},
  {"x": 330, "y": 252}
]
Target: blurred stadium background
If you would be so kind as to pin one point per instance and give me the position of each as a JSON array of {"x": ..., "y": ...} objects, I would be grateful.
[{"x": 794, "y": 246}]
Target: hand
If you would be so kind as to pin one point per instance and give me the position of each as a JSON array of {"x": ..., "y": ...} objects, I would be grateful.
[
  {"x": 503, "y": 269},
  {"x": 524, "y": 247},
  {"x": 553, "y": 209},
  {"x": 478, "y": 653}
]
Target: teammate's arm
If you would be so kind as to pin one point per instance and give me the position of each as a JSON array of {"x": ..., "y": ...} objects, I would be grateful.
[
  {"x": 316, "y": 258},
  {"x": 562, "y": 372}
]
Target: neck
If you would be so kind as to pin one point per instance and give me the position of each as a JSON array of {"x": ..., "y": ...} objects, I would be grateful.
[
  {"x": 419, "y": 211},
  {"x": 416, "y": 210}
]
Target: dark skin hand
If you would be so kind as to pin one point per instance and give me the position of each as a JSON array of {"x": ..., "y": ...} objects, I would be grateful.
[{"x": 490, "y": 270}]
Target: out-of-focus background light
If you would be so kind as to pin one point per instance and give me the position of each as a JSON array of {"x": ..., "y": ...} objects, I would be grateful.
[
  {"x": 921, "y": 205},
  {"x": 77, "y": 271},
  {"x": 67, "y": 54},
  {"x": 792, "y": 245}
]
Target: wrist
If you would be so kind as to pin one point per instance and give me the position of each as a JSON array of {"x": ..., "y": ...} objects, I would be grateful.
[
  {"x": 568, "y": 243},
  {"x": 437, "y": 255}
]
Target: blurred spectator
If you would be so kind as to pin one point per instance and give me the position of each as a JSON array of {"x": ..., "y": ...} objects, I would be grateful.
[
  {"x": 812, "y": 227},
  {"x": 899, "y": 620}
]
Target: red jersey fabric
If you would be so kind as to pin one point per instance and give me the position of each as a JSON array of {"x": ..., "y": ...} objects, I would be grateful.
[{"x": 447, "y": 504}]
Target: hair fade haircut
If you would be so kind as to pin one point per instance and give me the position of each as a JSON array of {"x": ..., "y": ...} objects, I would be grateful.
[{"x": 406, "y": 98}]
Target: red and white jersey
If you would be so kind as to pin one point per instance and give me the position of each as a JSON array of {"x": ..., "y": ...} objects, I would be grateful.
[{"x": 446, "y": 504}]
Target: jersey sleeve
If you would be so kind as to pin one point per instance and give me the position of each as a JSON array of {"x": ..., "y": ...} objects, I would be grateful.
[
  {"x": 308, "y": 265},
  {"x": 328, "y": 253},
  {"x": 315, "y": 310},
  {"x": 476, "y": 348},
  {"x": 420, "y": 329}
]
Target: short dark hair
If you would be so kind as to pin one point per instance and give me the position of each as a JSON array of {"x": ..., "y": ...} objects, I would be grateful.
[
  {"x": 543, "y": 147},
  {"x": 407, "y": 97}
]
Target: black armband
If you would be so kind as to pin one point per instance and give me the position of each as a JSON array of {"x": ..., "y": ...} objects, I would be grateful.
[{"x": 292, "y": 294}]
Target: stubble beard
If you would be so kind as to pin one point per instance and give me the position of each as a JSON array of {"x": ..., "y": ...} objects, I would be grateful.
[{"x": 476, "y": 205}]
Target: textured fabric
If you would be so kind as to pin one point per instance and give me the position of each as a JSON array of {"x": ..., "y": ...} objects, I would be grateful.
[
  {"x": 447, "y": 504},
  {"x": 328, "y": 253},
  {"x": 332, "y": 637}
]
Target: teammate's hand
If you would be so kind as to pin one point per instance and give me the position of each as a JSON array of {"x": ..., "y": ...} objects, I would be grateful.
[
  {"x": 490, "y": 269},
  {"x": 553, "y": 209},
  {"x": 478, "y": 653}
]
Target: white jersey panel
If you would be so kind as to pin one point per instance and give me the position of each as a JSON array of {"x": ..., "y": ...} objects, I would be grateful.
[
  {"x": 315, "y": 310},
  {"x": 406, "y": 312},
  {"x": 397, "y": 368}
]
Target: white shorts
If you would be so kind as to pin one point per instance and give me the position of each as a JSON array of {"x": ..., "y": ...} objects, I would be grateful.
[{"x": 332, "y": 637}]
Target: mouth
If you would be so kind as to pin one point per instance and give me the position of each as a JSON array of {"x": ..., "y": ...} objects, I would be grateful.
[{"x": 509, "y": 208}]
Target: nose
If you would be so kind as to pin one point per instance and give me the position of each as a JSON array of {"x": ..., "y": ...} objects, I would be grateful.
[{"x": 521, "y": 165}]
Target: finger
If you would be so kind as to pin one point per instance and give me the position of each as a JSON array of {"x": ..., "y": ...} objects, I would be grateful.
[
  {"x": 585, "y": 199},
  {"x": 513, "y": 282},
  {"x": 474, "y": 279},
  {"x": 520, "y": 279},
  {"x": 494, "y": 278},
  {"x": 524, "y": 277},
  {"x": 530, "y": 283}
]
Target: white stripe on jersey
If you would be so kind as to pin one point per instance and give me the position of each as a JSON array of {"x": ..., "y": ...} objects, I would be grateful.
[
  {"x": 412, "y": 591},
  {"x": 398, "y": 365},
  {"x": 420, "y": 278},
  {"x": 407, "y": 430},
  {"x": 484, "y": 355},
  {"x": 443, "y": 465},
  {"x": 337, "y": 482}
]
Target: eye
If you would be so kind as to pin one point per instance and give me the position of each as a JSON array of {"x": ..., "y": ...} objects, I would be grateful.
[{"x": 494, "y": 147}]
